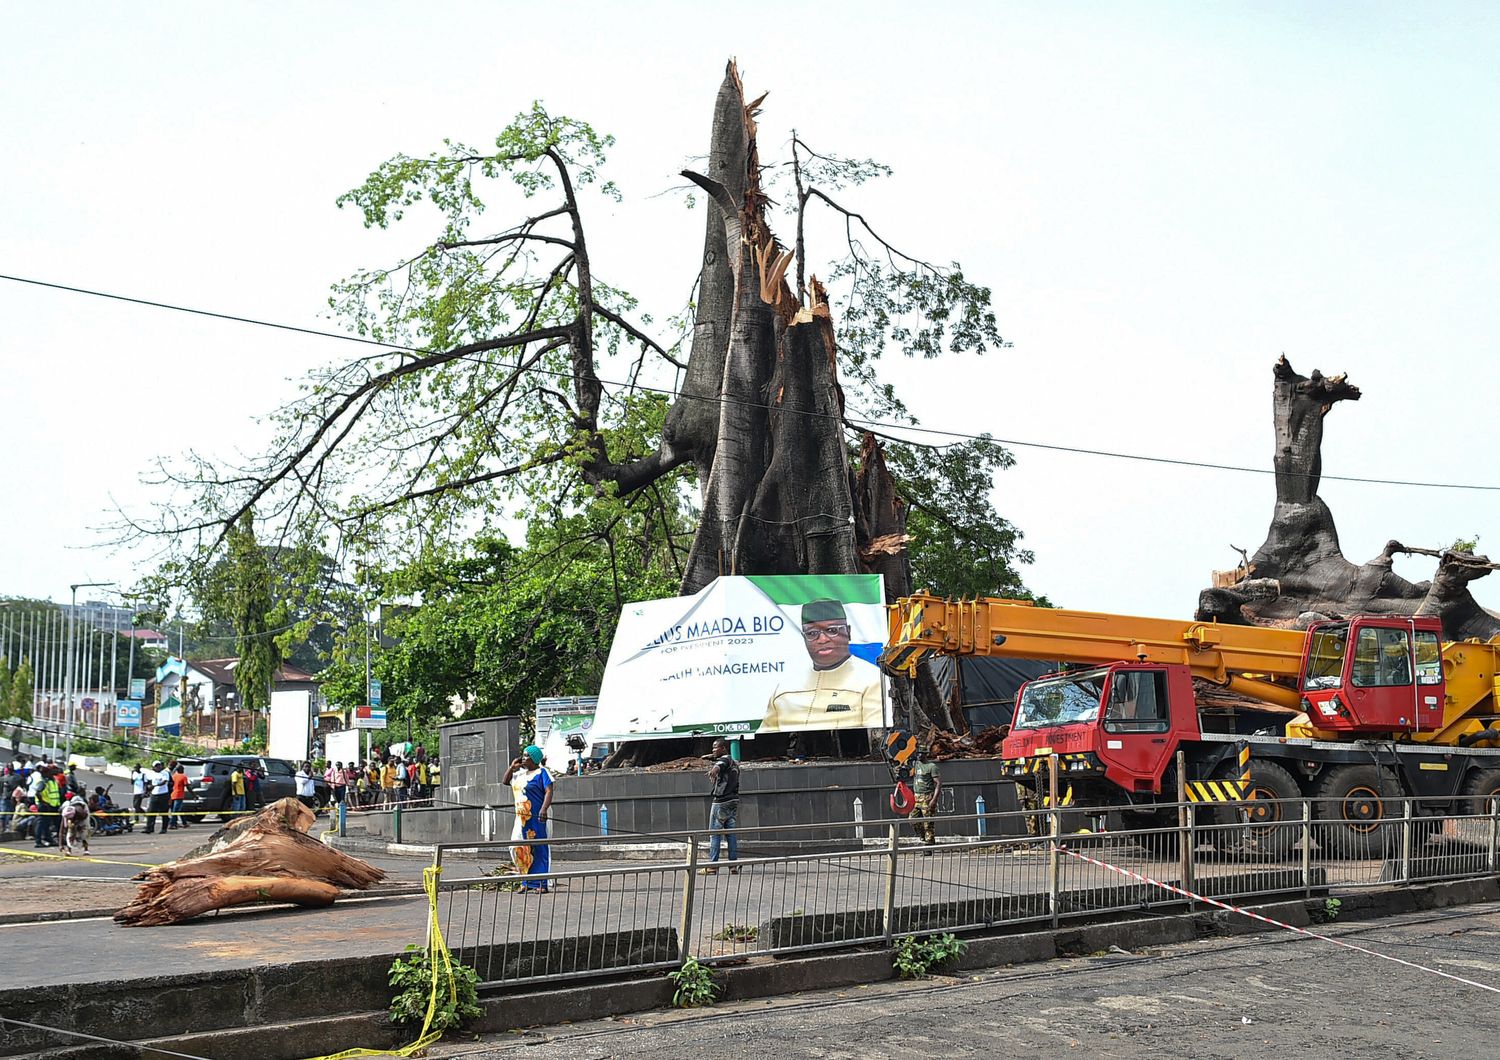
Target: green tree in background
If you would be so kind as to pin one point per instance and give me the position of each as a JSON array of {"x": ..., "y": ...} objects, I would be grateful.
[
  {"x": 498, "y": 626},
  {"x": 22, "y": 691},
  {"x": 5, "y": 682},
  {"x": 254, "y": 613},
  {"x": 961, "y": 546}
]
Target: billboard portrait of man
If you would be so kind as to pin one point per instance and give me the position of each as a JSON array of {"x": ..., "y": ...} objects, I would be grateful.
[{"x": 836, "y": 690}]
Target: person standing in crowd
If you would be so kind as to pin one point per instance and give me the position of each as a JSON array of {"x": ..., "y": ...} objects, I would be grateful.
[
  {"x": 350, "y": 777},
  {"x": 531, "y": 788},
  {"x": 334, "y": 776},
  {"x": 8, "y": 789},
  {"x": 927, "y": 781},
  {"x": 388, "y": 784},
  {"x": 158, "y": 784},
  {"x": 179, "y": 796},
  {"x": 724, "y": 807},
  {"x": 237, "y": 790},
  {"x": 137, "y": 793},
  {"x": 307, "y": 792},
  {"x": 48, "y": 806}
]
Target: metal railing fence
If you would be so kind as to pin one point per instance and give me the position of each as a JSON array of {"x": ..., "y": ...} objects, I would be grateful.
[{"x": 601, "y": 917}]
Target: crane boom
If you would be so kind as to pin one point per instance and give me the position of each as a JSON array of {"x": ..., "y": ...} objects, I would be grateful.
[{"x": 1225, "y": 655}]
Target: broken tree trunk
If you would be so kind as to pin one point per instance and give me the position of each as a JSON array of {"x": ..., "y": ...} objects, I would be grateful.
[
  {"x": 265, "y": 858},
  {"x": 779, "y": 493},
  {"x": 1299, "y": 574}
]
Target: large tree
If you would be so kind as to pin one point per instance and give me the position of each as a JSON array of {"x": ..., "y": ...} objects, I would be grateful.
[
  {"x": 1299, "y": 574},
  {"x": 508, "y": 372}
]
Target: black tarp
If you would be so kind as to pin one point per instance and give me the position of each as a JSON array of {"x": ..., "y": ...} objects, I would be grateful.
[{"x": 985, "y": 687}]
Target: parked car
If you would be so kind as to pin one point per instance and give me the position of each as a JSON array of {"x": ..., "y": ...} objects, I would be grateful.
[{"x": 208, "y": 781}]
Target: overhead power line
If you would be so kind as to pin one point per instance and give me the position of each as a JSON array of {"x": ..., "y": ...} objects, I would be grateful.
[{"x": 1016, "y": 443}]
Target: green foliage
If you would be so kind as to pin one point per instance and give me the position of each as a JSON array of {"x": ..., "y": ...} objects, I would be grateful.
[
  {"x": 1331, "y": 908},
  {"x": 914, "y": 958},
  {"x": 259, "y": 737},
  {"x": 5, "y": 682},
  {"x": 961, "y": 546},
  {"x": 87, "y": 745},
  {"x": 254, "y": 614},
  {"x": 22, "y": 691},
  {"x": 1465, "y": 544},
  {"x": 457, "y": 996},
  {"x": 168, "y": 747},
  {"x": 695, "y": 986},
  {"x": 499, "y": 626},
  {"x": 738, "y": 933}
]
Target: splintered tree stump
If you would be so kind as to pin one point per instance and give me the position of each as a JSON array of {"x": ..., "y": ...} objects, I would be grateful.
[{"x": 265, "y": 858}]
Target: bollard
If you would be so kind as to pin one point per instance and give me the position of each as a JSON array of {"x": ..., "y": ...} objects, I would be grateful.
[
  {"x": 979, "y": 809},
  {"x": 343, "y": 820},
  {"x": 603, "y": 819},
  {"x": 487, "y": 823},
  {"x": 859, "y": 817},
  {"x": 396, "y": 822}
]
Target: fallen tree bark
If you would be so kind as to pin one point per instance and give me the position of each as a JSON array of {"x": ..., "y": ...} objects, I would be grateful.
[{"x": 265, "y": 858}]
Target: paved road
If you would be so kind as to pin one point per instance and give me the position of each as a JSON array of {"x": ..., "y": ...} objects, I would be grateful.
[{"x": 1272, "y": 995}]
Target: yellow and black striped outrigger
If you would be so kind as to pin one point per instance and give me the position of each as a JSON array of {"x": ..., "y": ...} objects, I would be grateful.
[{"x": 1227, "y": 790}]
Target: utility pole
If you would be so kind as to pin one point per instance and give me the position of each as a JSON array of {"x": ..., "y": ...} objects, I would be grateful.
[
  {"x": 68, "y": 753},
  {"x": 367, "y": 659},
  {"x": 114, "y": 674}
]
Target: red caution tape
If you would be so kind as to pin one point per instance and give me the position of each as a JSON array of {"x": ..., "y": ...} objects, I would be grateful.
[{"x": 1273, "y": 922}]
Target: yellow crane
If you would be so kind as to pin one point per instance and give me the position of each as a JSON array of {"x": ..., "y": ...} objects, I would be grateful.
[{"x": 1350, "y": 712}]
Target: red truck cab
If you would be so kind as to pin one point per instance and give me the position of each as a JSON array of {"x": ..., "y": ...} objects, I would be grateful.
[
  {"x": 1374, "y": 674},
  {"x": 1122, "y": 722}
]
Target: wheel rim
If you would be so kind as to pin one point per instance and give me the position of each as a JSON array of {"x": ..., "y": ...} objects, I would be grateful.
[
  {"x": 1362, "y": 808},
  {"x": 1261, "y": 812}
]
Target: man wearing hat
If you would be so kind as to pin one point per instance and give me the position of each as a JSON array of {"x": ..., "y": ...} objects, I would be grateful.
[{"x": 838, "y": 690}]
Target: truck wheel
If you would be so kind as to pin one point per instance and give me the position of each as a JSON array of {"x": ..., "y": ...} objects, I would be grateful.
[
  {"x": 1266, "y": 815},
  {"x": 1482, "y": 786},
  {"x": 1357, "y": 816}
]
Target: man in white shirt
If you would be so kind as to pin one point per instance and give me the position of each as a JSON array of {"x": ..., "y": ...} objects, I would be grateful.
[
  {"x": 137, "y": 792},
  {"x": 307, "y": 792},
  {"x": 158, "y": 781}
]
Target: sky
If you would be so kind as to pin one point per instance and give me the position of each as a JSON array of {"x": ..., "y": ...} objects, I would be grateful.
[{"x": 1164, "y": 198}]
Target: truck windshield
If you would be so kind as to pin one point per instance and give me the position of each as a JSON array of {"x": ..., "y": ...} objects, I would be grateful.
[
  {"x": 1061, "y": 700},
  {"x": 1325, "y": 657}
]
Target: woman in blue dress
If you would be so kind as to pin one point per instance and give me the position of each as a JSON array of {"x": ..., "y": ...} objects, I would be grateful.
[{"x": 532, "y": 787}]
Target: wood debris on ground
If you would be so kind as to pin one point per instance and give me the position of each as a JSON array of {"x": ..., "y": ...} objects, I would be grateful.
[{"x": 268, "y": 857}]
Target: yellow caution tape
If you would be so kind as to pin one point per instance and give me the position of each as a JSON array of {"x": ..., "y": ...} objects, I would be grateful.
[
  {"x": 437, "y": 949},
  {"x": 74, "y": 857}
]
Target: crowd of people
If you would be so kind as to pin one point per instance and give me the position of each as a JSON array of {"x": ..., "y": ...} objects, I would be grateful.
[
  {"x": 385, "y": 781},
  {"x": 41, "y": 800}
]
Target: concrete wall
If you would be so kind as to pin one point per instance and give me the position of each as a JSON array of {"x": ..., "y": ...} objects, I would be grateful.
[{"x": 642, "y": 802}]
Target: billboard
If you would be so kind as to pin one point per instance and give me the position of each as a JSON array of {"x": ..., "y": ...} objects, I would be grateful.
[
  {"x": 289, "y": 726},
  {"x": 746, "y": 655},
  {"x": 128, "y": 714},
  {"x": 342, "y": 746},
  {"x": 369, "y": 717}
]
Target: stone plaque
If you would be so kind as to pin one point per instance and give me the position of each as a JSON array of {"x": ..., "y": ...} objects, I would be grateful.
[{"x": 465, "y": 749}]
